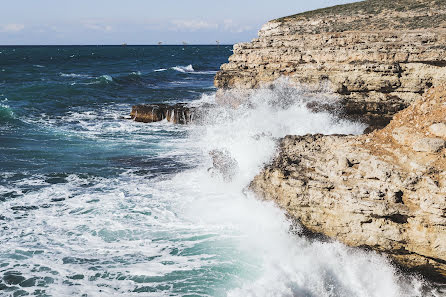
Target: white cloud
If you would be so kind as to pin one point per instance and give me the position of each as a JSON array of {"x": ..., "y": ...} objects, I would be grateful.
[
  {"x": 231, "y": 26},
  {"x": 11, "y": 28},
  {"x": 95, "y": 25},
  {"x": 193, "y": 25}
]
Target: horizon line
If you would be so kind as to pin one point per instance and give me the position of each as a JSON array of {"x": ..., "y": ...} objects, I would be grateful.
[{"x": 123, "y": 45}]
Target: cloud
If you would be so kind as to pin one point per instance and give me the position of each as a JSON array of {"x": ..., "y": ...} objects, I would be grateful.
[
  {"x": 96, "y": 25},
  {"x": 12, "y": 28},
  {"x": 231, "y": 26},
  {"x": 193, "y": 25}
]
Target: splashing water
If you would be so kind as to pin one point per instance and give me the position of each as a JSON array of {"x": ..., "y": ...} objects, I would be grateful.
[
  {"x": 188, "y": 68},
  {"x": 150, "y": 220}
]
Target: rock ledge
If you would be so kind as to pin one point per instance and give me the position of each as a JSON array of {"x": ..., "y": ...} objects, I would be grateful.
[{"x": 378, "y": 190}]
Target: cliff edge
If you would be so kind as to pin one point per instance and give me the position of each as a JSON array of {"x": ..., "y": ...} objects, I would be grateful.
[
  {"x": 378, "y": 55},
  {"x": 385, "y": 190}
]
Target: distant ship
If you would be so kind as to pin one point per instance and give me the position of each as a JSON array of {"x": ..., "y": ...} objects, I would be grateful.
[{"x": 124, "y": 44}]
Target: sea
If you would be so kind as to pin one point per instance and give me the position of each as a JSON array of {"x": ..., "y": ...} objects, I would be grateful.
[{"x": 95, "y": 204}]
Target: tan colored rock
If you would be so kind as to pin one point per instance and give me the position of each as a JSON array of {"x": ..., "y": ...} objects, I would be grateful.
[
  {"x": 370, "y": 190},
  {"x": 430, "y": 145},
  {"x": 438, "y": 129},
  {"x": 378, "y": 55}
]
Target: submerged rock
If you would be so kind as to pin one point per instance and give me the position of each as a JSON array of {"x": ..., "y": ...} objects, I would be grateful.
[
  {"x": 223, "y": 164},
  {"x": 371, "y": 190}
]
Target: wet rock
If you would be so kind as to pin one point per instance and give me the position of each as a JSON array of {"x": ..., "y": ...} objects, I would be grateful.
[
  {"x": 370, "y": 190},
  {"x": 148, "y": 113},
  {"x": 223, "y": 164}
]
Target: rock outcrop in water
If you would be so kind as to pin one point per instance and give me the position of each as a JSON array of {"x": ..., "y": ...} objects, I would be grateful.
[
  {"x": 385, "y": 190},
  {"x": 148, "y": 113},
  {"x": 378, "y": 55}
]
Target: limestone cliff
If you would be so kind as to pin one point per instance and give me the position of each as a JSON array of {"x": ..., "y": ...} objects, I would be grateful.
[
  {"x": 378, "y": 55},
  {"x": 385, "y": 190}
]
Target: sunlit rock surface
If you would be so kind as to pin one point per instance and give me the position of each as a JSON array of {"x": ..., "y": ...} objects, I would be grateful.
[
  {"x": 385, "y": 190},
  {"x": 379, "y": 56}
]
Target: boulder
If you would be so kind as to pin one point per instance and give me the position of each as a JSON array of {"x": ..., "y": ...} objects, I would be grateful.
[{"x": 179, "y": 113}]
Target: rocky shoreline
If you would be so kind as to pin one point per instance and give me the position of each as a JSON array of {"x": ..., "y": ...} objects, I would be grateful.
[
  {"x": 385, "y": 190},
  {"x": 377, "y": 56},
  {"x": 386, "y": 62},
  {"x": 179, "y": 113}
]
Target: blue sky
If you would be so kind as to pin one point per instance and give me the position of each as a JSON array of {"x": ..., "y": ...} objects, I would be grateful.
[{"x": 142, "y": 21}]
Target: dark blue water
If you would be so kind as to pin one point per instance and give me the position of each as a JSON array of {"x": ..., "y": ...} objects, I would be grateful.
[
  {"x": 44, "y": 84},
  {"x": 94, "y": 204}
]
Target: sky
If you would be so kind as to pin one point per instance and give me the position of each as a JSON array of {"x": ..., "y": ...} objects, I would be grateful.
[{"x": 45, "y": 22}]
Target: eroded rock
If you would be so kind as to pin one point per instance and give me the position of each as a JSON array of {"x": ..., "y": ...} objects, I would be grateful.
[
  {"x": 438, "y": 129},
  {"x": 179, "y": 113},
  {"x": 354, "y": 49},
  {"x": 371, "y": 190},
  {"x": 430, "y": 145}
]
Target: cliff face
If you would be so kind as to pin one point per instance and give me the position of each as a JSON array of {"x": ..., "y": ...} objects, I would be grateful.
[
  {"x": 385, "y": 190},
  {"x": 378, "y": 55}
]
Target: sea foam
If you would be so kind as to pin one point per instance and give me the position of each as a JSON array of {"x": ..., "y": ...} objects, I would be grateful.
[
  {"x": 184, "y": 69},
  {"x": 188, "y": 232}
]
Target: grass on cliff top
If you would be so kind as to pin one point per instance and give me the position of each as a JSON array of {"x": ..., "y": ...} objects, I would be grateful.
[{"x": 383, "y": 10}]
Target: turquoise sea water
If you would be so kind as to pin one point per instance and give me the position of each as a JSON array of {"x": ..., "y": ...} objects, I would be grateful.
[{"x": 93, "y": 204}]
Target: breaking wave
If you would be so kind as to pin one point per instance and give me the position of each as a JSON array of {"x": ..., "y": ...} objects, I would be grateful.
[
  {"x": 75, "y": 75},
  {"x": 6, "y": 113},
  {"x": 184, "y": 69}
]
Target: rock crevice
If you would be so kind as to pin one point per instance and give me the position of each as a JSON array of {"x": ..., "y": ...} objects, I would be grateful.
[
  {"x": 378, "y": 190},
  {"x": 379, "y": 56}
]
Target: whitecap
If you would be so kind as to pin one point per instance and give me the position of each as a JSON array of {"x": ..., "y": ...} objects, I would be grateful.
[
  {"x": 141, "y": 232},
  {"x": 106, "y": 77},
  {"x": 205, "y": 72},
  {"x": 184, "y": 69},
  {"x": 39, "y": 66},
  {"x": 75, "y": 75},
  {"x": 159, "y": 70}
]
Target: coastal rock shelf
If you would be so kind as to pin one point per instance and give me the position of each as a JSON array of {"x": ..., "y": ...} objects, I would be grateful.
[
  {"x": 378, "y": 56},
  {"x": 148, "y": 113},
  {"x": 385, "y": 190}
]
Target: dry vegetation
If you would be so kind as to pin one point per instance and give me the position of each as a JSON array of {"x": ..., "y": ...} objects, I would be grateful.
[{"x": 373, "y": 15}]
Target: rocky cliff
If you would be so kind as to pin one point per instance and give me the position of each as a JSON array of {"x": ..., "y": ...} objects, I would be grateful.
[
  {"x": 385, "y": 190},
  {"x": 378, "y": 55}
]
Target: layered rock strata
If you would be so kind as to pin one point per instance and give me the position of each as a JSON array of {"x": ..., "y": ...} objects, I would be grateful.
[
  {"x": 385, "y": 190},
  {"x": 378, "y": 55}
]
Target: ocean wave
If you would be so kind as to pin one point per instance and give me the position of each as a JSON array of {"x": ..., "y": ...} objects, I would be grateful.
[
  {"x": 75, "y": 75},
  {"x": 39, "y": 66},
  {"x": 205, "y": 72},
  {"x": 184, "y": 69},
  {"x": 159, "y": 70},
  {"x": 6, "y": 113},
  {"x": 105, "y": 78}
]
